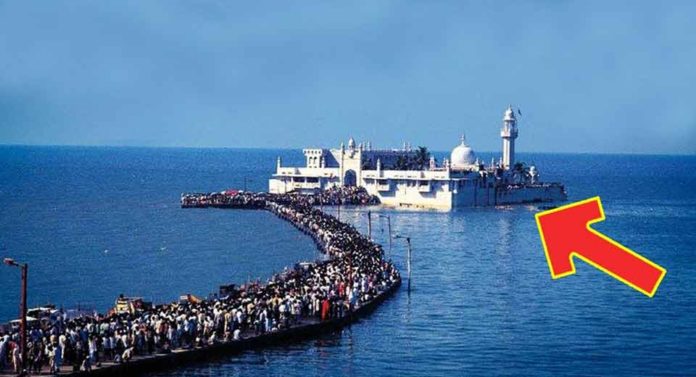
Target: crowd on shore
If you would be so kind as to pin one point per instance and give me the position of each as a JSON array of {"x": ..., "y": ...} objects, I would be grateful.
[{"x": 354, "y": 274}]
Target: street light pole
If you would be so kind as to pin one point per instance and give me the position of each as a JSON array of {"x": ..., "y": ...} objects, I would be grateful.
[
  {"x": 408, "y": 262},
  {"x": 24, "y": 267},
  {"x": 23, "y": 305},
  {"x": 408, "y": 258},
  {"x": 390, "y": 232},
  {"x": 369, "y": 225},
  {"x": 390, "y": 235}
]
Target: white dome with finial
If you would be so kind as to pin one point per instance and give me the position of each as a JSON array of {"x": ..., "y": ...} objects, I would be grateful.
[
  {"x": 462, "y": 155},
  {"x": 351, "y": 143}
]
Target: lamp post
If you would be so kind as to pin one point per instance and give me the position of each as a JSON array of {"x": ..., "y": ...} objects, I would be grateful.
[
  {"x": 245, "y": 182},
  {"x": 408, "y": 258},
  {"x": 390, "y": 231},
  {"x": 22, "y": 308},
  {"x": 369, "y": 225}
]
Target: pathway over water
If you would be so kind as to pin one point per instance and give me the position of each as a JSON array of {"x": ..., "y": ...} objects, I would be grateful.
[{"x": 303, "y": 301}]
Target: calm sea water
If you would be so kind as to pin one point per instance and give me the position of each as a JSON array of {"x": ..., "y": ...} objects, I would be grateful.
[{"x": 96, "y": 222}]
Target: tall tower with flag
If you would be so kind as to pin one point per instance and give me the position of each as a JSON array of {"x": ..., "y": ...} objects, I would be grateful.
[{"x": 509, "y": 134}]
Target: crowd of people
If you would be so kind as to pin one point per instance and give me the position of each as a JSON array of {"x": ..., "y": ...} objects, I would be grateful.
[
  {"x": 353, "y": 275},
  {"x": 346, "y": 195},
  {"x": 335, "y": 195}
]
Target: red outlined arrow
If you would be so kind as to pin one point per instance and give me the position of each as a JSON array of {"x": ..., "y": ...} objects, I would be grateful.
[{"x": 566, "y": 233}]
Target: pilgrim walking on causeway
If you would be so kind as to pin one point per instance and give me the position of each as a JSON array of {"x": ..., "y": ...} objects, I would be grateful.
[{"x": 353, "y": 276}]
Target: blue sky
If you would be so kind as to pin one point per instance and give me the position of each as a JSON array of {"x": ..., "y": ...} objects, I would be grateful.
[{"x": 609, "y": 77}]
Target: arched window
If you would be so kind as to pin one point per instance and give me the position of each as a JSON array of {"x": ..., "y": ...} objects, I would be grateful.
[{"x": 350, "y": 178}]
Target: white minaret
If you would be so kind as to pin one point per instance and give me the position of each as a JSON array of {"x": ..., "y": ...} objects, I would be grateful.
[{"x": 509, "y": 134}]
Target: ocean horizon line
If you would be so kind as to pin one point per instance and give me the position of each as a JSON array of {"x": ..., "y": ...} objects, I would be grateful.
[{"x": 108, "y": 146}]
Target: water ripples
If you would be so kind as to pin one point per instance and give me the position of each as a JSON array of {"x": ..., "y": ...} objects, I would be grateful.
[{"x": 482, "y": 302}]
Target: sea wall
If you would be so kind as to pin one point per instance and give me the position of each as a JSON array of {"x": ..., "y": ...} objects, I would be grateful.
[
  {"x": 347, "y": 249},
  {"x": 277, "y": 339}
]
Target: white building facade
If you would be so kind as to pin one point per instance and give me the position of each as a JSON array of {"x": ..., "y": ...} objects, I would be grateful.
[{"x": 407, "y": 178}]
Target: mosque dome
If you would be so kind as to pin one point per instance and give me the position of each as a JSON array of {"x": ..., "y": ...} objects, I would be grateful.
[{"x": 462, "y": 155}]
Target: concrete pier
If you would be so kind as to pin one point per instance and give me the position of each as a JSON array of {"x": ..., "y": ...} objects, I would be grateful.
[
  {"x": 185, "y": 357},
  {"x": 306, "y": 327}
]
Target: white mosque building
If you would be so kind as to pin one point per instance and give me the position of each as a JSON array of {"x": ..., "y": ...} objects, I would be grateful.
[{"x": 407, "y": 178}]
